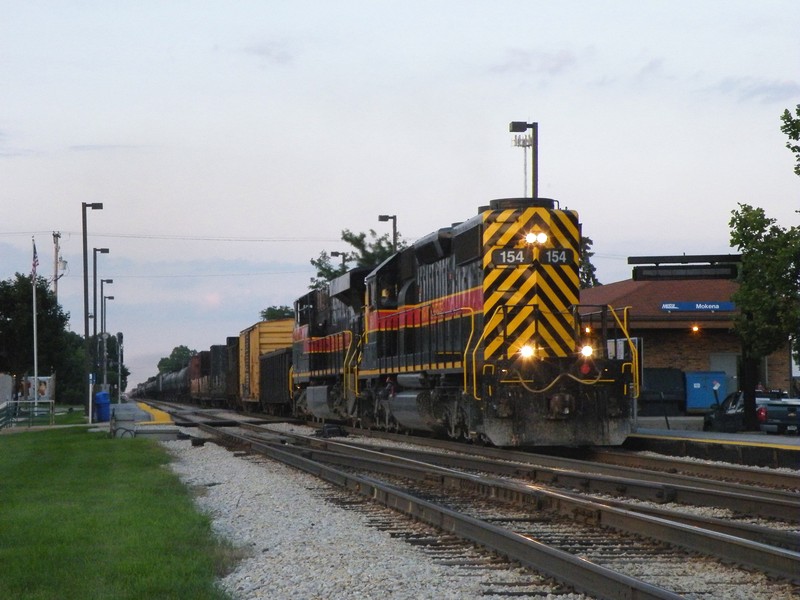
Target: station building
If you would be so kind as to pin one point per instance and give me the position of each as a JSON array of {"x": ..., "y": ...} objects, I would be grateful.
[{"x": 687, "y": 325}]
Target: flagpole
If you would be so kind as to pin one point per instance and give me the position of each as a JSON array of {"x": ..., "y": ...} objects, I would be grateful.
[{"x": 35, "y": 341}]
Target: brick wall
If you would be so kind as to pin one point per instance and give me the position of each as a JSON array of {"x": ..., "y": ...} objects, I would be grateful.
[{"x": 688, "y": 351}]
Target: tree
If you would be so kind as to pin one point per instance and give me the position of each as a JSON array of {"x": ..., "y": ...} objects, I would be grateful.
[
  {"x": 273, "y": 313},
  {"x": 326, "y": 270},
  {"x": 587, "y": 273},
  {"x": 178, "y": 358},
  {"x": 791, "y": 127},
  {"x": 367, "y": 253},
  {"x": 112, "y": 367},
  {"x": 768, "y": 297},
  {"x": 56, "y": 351}
]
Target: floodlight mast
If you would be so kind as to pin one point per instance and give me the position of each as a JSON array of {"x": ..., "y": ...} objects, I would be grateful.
[{"x": 522, "y": 127}]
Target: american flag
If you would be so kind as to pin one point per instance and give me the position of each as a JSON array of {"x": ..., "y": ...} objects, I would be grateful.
[{"x": 35, "y": 260}]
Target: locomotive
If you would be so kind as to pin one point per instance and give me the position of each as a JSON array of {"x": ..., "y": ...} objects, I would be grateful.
[{"x": 474, "y": 332}]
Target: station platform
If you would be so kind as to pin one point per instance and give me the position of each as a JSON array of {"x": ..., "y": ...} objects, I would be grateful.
[
  {"x": 747, "y": 448},
  {"x": 136, "y": 419}
]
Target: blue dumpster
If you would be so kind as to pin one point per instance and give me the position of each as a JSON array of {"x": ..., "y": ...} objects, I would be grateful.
[
  {"x": 103, "y": 404},
  {"x": 700, "y": 390}
]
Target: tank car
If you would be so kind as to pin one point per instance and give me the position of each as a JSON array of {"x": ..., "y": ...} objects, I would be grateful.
[{"x": 475, "y": 331}]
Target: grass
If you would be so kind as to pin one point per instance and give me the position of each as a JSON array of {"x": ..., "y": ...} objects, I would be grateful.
[{"x": 86, "y": 516}]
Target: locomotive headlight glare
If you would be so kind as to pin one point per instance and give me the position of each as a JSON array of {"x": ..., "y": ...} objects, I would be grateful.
[
  {"x": 587, "y": 351},
  {"x": 535, "y": 238},
  {"x": 526, "y": 351}
]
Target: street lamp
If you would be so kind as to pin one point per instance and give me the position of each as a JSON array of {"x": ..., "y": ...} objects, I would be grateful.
[
  {"x": 102, "y": 327},
  {"x": 94, "y": 280},
  {"x": 102, "y": 283},
  {"x": 343, "y": 255},
  {"x": 87, "y": 345},
  {"x": 522, "y": 127},
  {"x": 105, "y": 337},
  {"x": 393, "y": 219}
]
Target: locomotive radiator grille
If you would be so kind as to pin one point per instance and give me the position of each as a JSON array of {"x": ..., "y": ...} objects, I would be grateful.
[{"x": 528, "y": 289}]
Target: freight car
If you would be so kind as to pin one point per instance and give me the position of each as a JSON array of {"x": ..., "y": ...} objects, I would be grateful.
[
  {"x": 261, "y": 338},
  {"x": 228, "y": 375},
  {"x": 475, "y": 331}
]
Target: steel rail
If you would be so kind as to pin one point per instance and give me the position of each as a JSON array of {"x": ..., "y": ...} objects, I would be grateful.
[
  {"x": 787, "y": 480},
  {"x": 764, "y": 535},
  {"x": 580, "y": 574},
  {"x": 776, "y": 561},
  {"x": 697, "y": 469},
  {"x": 773, "y": 504}
]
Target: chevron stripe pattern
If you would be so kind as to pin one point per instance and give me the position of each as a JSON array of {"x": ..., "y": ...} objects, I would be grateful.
[{"x": 528, "y": 301}]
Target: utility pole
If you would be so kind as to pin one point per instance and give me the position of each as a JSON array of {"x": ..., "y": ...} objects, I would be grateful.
[{"x": 57, "y": 248}]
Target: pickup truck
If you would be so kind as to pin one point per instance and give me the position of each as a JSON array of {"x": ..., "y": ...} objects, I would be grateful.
[
  {"x": 779, "y": 416},
  {"x": 728, "y": 415}
]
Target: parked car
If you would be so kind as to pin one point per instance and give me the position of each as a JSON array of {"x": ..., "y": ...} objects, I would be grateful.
[
  {"x": 779, "y": 416},
  {"x": 728, "y": 415}
]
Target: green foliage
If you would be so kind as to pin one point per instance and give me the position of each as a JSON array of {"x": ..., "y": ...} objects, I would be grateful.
[
  {"x": 274, "y": 313},
  {"x": 58, "y": 350},
  {"x": 178, "y": 358},
  {"x": 769, "y": 292},
  {"x": 367, "y": 252},
  {"x": 326, "y": 270},
  {"x": 112, "y": 368},
  {"x": 587, "y": 273},
  {"x": 87, "y": 516},
  {"x": 791, "y": 127},
  {"x": 373, "y": 251}
]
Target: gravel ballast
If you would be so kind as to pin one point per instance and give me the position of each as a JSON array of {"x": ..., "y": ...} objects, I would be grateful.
[{"x": 301, "y": 546}]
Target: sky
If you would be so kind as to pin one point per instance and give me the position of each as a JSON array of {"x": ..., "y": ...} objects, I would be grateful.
[{"x": 231, "y": 142}]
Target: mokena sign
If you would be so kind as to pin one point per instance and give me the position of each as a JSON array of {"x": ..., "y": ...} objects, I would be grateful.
[{"x": 698, "y": 306}]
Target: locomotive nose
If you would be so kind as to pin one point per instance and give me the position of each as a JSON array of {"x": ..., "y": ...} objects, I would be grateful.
[{"x": 561, "y": 405}]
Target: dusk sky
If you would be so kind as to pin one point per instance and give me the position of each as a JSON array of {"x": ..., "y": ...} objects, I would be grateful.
[{"x": 231, "y": 142}]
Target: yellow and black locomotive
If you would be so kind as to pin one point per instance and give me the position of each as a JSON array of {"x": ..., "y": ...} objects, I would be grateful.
[{"x": 475, "y": 331}]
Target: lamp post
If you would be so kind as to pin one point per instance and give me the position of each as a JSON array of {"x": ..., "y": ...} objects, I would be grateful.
[
  {"x": 105, "y": 337},
  {"x": 343, "y": 256},
  {"x": 102, "y": 325},
  {"x": 87, "y": 344},
  {"x": 393, "y": 219},
  {"x": 522, "y": 127},
  {"x": 94, "y": 280},
  {"x": 119, "y": 367}
]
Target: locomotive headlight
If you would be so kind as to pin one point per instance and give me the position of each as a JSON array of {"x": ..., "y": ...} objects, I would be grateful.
[
  {"x": 527, "y": 351},
  {"x": 587, "y": 351},
  {"x": 536, "y": 238}
]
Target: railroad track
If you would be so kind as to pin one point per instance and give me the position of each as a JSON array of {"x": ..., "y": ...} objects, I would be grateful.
[
  {"x": 468, "y": 505},
  {"x": 611, "y": 461}
]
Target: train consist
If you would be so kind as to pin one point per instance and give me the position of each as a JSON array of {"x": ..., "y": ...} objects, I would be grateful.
[{"x": 475, "y": 331}]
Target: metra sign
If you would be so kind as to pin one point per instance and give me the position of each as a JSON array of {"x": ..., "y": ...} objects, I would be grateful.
[{"x": 698, "y": 306}]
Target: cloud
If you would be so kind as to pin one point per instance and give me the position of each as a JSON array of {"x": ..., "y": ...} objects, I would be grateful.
[
  {"x": 101, "y": 147},
  {"x": 275, "y": 53},
  {"x": 534, "y": 61},
  {"x": 653, "y": 69},
  {"x": 750, "y": 88}
]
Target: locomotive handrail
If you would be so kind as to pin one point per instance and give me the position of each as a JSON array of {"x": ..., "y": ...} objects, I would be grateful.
[
  {"x": 634, "y": 362},
  {"x": 475, "y": 352},
  {"x": 350, "y": 366}
]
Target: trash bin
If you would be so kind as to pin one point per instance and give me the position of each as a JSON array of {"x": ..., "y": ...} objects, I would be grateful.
[{"x": 103, "y": 404}]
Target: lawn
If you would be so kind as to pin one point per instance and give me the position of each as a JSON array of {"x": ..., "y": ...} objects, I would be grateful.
[{"x": 85, "y": 516}]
